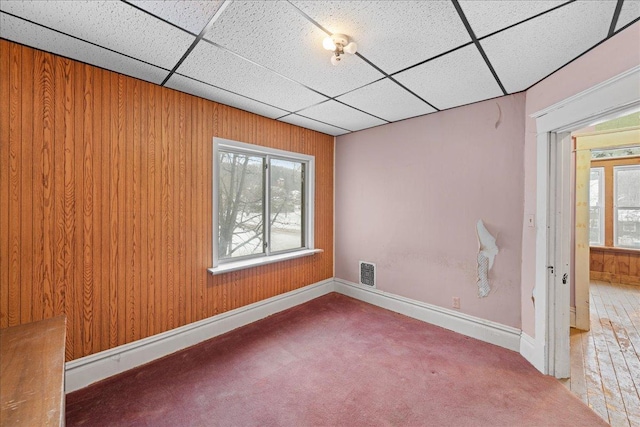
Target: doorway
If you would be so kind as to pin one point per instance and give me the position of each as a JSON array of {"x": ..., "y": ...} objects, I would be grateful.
[
  {"x": 549, "y": 350},
  {"x": 604, "y": 339},
  {"x": 599, "y": 245}
]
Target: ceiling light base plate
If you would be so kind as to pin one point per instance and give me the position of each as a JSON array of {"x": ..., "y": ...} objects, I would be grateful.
[{"x": 340, "y": 39}]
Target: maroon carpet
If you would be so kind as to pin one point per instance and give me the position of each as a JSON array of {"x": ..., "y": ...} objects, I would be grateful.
[{"x": 333, "y": 361}]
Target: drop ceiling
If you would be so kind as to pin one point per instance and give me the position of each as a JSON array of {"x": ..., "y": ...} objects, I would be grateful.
[{"x": 413, "y": 58}]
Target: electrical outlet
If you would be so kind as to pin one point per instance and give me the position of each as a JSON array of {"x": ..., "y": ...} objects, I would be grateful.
[{"x": 456, "y": 302}]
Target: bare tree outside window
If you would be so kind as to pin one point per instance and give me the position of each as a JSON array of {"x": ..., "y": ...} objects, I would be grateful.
[
  {"x": 286, "y": 204},
  {"x": 244, "y": 187},
  {"x": 240, "y": 205}
]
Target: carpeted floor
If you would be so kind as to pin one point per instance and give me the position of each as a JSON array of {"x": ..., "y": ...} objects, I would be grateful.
[{"x": 333, "y": 361}]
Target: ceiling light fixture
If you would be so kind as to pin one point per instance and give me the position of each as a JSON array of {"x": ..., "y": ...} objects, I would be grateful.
[{"x": 339, "y": 44}]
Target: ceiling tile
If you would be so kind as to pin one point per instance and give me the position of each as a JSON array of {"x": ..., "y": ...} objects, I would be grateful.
[
  {"x": 194, "y": 87},
  {"x": 111, "y": 24},
  {"x": 629, "y": 12},
  {"x": 392, "y": 34},
  {"x": 458, "y": 78},
  {"x": 304, "y": 122},
  {"x": 274, "y": 34},
  {"x": 340, "y": 115},
  {"x": 524, "y": 54},
  {"x": 18, "y": 30},
  {"x": 191, "y": 15},
  {"x": 386, "y": 100},
  {"x": 220, "y": 68},
  {"x": 486, "y": 17}
]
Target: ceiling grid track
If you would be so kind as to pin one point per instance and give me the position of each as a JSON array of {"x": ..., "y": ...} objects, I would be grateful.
[
  {"x": 232, "y": 92},
  {"x": 81, "y": 40},
  {"x": 358, "y": 109},
  {"x": 385, "y": 74},
  {"x": 204, "y": 31},
  {"x": 394, "y": 80},
  {"x": 310, "y": 19},
  {"x": 531, "y": 18},
  {"x": 315, "y": 120},
  {"x": 135, "y": 6},
  {"x": 465, "y": 21},
  {"x": 212, "y": 43},
  {"x": 317, "y": 24},
  {"x": 614, "y": 19},
  {"x": 520, "y": 44},
  {"x": 582, "y": 54},
  {"x": 417, "y": 64}
]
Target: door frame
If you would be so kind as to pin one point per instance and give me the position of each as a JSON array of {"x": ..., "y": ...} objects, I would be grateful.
[
  {"x": 611, "y": 98},
  {"x": 584, "y": 143}
]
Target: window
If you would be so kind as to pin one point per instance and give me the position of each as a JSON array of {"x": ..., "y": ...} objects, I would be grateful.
[
  {"x": 263, "y": 205},
  {"x": 596, "y": 207},
  {"x": 626, "y": 208}
]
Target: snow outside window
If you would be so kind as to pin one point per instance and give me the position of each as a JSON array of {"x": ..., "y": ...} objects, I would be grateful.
[
  {"x": 262, "y": 202},
  {"x": 626, "y": 209},
  {"x": 596, "y": 207}
]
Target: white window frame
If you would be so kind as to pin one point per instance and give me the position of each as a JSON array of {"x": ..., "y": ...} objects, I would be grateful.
[
  {"x": 221, "y": 144},
  {"x": 615, "y": 204},
  {"x": 601, "y": 190}
]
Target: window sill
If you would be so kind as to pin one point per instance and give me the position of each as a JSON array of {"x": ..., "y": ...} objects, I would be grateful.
[
  {"x": 256, "y": 262},
  {"x": 615, "y": 249}
]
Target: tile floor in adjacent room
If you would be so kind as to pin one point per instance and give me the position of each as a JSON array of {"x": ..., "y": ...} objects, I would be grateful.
[{"x": 605, "y": 366}]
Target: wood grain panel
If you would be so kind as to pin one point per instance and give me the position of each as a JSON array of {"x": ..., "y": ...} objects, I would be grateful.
[
  {"x": 619, "y": 265},
  {"x": 609, "y": 264},
  {"x": 78, "y": 196},
  {"x": 634, "y": 266},
  {"x": 65, "y": 83},
  {"x": 15, "y": 167},
  {"x": 27, "y": 247},
  {"x": 118, "y": 156},
  {"x": 32, "y": 392},
  {"x": 5, "y": 105},
  {"x": 597, "y": 260},
  {"x": 622, "y": 263},
  {"x": 37, "y": 194},
  {"x": 105, "y": 202}
]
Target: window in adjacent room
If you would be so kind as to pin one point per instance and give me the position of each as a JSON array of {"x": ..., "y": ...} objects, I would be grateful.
[
  {"x": 263, "y": 203},
  {"x": 626, "y": 208},
  {"x": 596, "y": 207}
]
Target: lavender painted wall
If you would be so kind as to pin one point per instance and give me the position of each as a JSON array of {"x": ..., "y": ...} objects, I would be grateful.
[
  {"x": 616, "y": 55},
  {"x": 409, "y": 194}
]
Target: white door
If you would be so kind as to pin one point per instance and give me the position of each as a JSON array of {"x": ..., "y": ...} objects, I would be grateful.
[{"x": 562, "y": 255}]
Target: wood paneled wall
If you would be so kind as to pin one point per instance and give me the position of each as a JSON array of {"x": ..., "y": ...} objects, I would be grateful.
[
  {"x": 616, "y": 265},
  {"x": 610, "y": 263},
  {"x": 105, "y": 202}
]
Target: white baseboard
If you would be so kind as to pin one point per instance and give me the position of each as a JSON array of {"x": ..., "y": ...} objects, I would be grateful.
[
  {"x": 527, "y": 347},
  {"x": 81, "y": 372},
  {"x": 531, "y": 351},
  {"x": 475, "y": 327},
  {"x": 572, "y": 317}
]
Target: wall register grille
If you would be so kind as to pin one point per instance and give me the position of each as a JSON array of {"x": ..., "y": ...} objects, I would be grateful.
[{"x": 368, "y": 274}]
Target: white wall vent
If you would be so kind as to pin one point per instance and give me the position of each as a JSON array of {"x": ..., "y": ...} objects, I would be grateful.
[{"x": 367, "y": 274}]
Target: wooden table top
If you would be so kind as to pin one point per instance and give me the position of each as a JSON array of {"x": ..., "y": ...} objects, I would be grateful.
[{"x": 32, "y": 373}]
